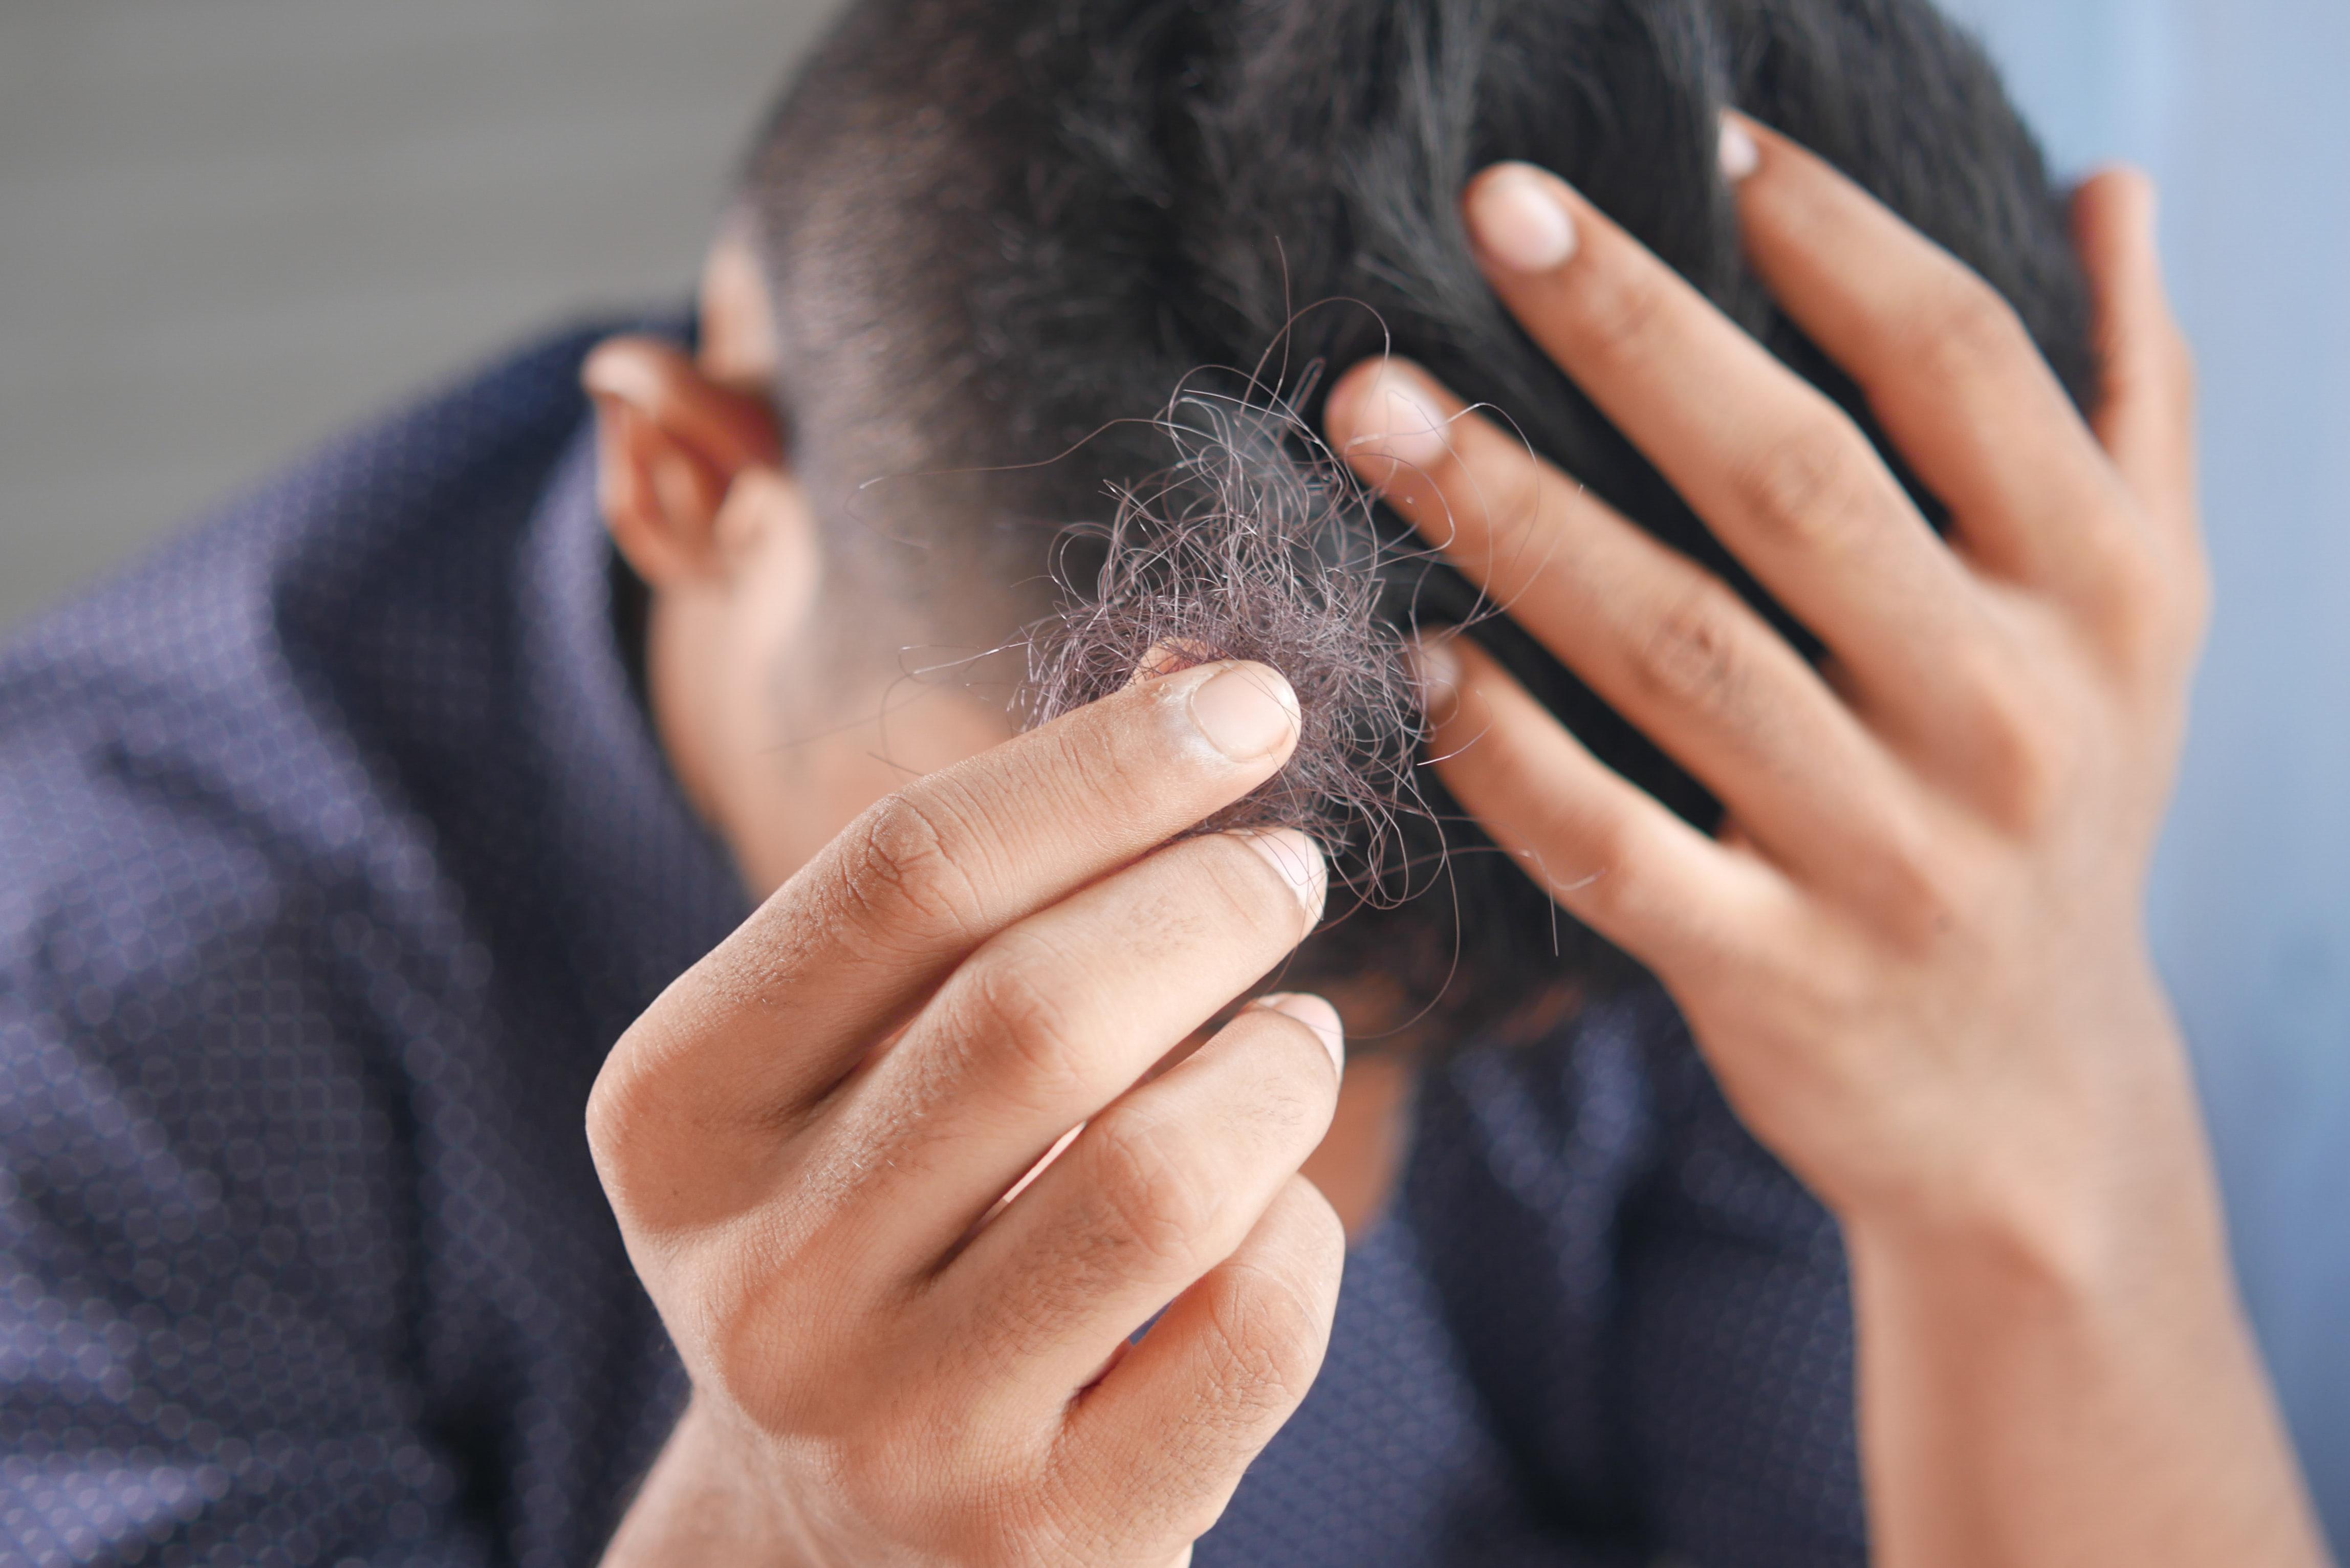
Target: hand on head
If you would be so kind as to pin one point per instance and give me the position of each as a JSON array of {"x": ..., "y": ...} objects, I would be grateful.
[
  {"x": 1914, "y": 953},
  {"x": 1938, "y": 836}
]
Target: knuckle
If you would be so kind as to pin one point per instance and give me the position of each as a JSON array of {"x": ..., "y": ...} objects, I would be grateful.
[
  {"x": 741, "y": 1358},
  {"x": 2061, "y": 747},
  {"x": 1690, "y": 656},
  {"x": 2145, "y": 604},
  {"x": 1599, "y": 877},
  {"x": 613, "y": 1115},
  {"x": 1265, "y": 1339},
  {"x": 1019, "y": 1023},
  {"x": 746, "y": 1335},
  {"x": 1159, "y": 1205},
  {"x": 1491, "y": 506},
  {"x": 1620, "y": 311},
  {"x": 628, "y": 1134},
  {"x": 1968, "y": 333},
  {"x": 910, "y": 866},
  {"x": 1517, "y": 495},
  {"x": 2016, "y": 748},
  {"x": 1914, "y": 885},
  {"x": 2028, "y": 766},
  {"x": 1100, "y": 758},
  {"x": 1811, "y": 489}
]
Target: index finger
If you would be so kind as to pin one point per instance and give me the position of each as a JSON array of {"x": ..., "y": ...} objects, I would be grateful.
[{"x": 793, "y": 1000}]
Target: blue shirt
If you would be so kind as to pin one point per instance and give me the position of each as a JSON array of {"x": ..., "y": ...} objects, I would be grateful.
[{"x": 334, "y": 851}]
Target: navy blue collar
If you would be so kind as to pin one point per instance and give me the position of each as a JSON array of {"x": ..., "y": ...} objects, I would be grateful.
[{"x": 620, "y": 836}]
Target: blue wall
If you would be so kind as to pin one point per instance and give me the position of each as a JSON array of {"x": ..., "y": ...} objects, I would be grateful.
[{"x": 2238, "y": 106}]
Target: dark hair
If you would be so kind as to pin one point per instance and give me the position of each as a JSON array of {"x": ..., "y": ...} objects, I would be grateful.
[{"x": 995, "y": 227}]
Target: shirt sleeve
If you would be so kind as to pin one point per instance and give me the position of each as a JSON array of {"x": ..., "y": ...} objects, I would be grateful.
[{"x": 207, "y": 1258}]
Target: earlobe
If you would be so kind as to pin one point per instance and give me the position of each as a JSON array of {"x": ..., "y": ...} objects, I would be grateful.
[{"x": 671, "y": 447}]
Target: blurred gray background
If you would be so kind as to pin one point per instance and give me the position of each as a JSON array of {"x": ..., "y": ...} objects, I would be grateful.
[{"x": 229, "y": 226}]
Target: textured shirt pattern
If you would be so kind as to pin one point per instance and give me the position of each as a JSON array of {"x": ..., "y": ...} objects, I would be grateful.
[{"x": 335, "y": 852}]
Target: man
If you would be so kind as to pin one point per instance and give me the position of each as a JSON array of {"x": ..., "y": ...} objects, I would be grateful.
[{"x": 347, "y": 837}]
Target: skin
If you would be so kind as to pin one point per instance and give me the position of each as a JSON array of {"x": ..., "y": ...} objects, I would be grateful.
[{"x": 1914, "y": 956}]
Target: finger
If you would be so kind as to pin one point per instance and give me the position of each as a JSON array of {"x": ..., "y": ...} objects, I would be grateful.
[
  {"x": 1607, "y": 851},
  {"x": 1044, "y": 1026},
  {"x": 2146, "y": 417},
  {"x": 789, "y": 1003},
  {"x": 1176, "y": 1423},
  {"x": 1160, "y": 1189},
  {"x": 1946, "y": 363},
  {"x": 1664, "y": 641},
  {"x": 1781, "y": 476}
]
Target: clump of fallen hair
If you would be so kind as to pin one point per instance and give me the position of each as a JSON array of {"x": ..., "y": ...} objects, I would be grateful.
[{"x": 1254, "y": 544}]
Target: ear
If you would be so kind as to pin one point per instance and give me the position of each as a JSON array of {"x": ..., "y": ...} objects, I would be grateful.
[{"x": 671, "y": 445}]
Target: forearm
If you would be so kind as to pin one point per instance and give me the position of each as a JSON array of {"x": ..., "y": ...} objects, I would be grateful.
[{"x": 2028, "y": 1399}]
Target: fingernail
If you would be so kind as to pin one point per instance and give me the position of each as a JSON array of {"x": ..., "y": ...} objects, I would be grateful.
[
  {"x": 1315, "y": 1014},
  {"x": 1740, "y": 154},
  {"x": 1392, "y": 420},
  {"x": 1248, "y": 712},
  {"x": 1297, "y": 858},
  {"x": 1516, "y": 215},
  {"x": 1436, "y": 675}
]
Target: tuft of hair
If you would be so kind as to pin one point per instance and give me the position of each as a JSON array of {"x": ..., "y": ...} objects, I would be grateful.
[{"x": 1255, "y": 543}]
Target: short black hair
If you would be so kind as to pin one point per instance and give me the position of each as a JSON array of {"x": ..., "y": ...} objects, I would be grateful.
[{"x": 992, "y": 227}]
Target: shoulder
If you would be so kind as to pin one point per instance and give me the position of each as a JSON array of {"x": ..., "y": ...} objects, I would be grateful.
[
  {"x": 186, "y": 756},
  {"x": 225, "y": 607}
]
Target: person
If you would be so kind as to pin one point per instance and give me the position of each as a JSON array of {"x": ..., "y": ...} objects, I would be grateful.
[{"x": 346, "y": 837}]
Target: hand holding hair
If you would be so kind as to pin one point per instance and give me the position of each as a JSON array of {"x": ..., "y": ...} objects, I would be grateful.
[
  {"x": 811, "y": 1137},
  {"x": 1914, "y": 953}
]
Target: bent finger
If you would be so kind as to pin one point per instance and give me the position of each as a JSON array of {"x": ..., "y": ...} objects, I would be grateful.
[
  {"x": 1664, "y": 641},
  {"x": 1047, "y": 1023},
  {"x": 1175, "y": 1424},
  {"x": 1607, "y": 851},
  {"x": 778, "y": 1012},
  {"x": 1780, "y": 475},
  {"x": 1156, "y": 1191}
]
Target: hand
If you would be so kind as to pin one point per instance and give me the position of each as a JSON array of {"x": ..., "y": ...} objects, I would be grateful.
[
  {"x": 1914, "y": 953},
  {"x": 810, "y": 1138}
]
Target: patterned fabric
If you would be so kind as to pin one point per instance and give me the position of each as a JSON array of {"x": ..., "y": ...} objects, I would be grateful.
[{"x": 334, "y": 852}]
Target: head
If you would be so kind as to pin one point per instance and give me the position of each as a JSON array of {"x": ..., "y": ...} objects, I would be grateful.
[{"x": 981, "y": 244}]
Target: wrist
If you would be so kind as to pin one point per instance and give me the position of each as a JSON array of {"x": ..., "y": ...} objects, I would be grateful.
[
  {"x": 2085, "y": 1180},
  {"x": 703, "y": 1504},
  {"x": 2028, "y": 1399}
]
